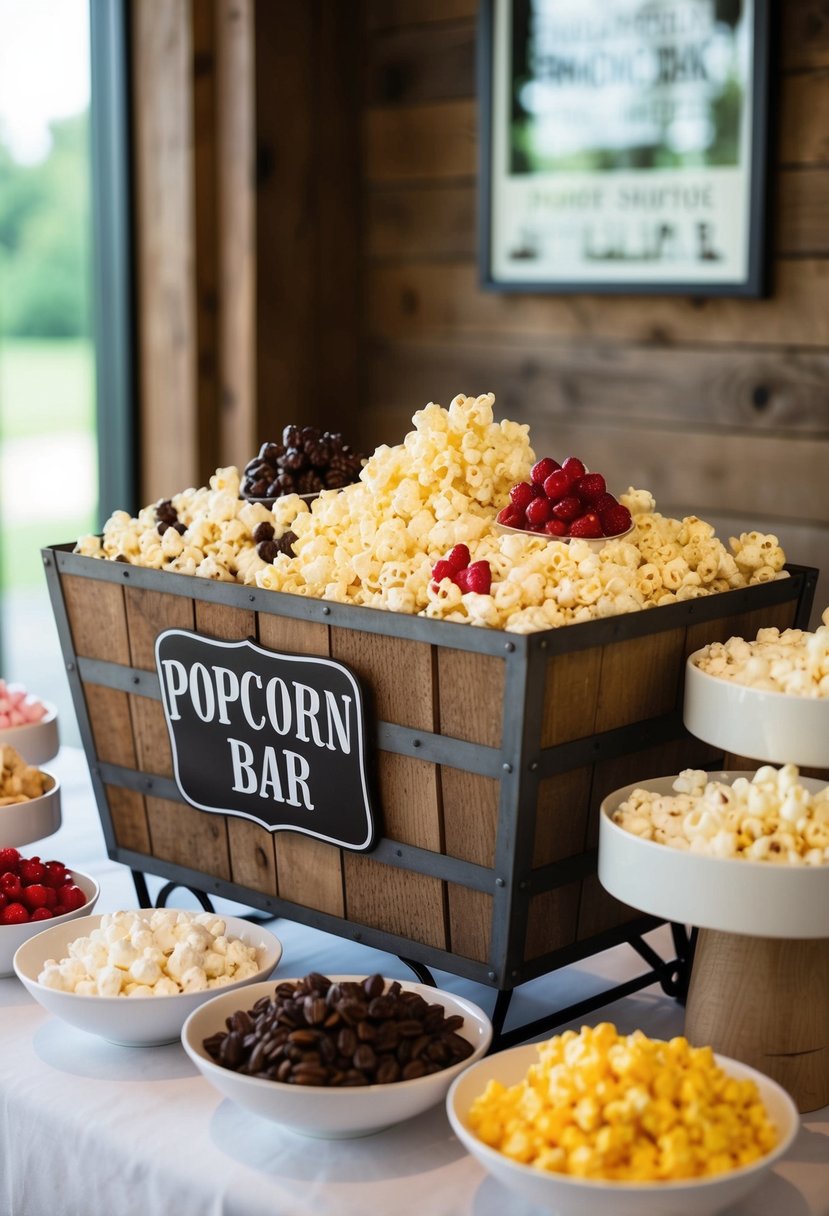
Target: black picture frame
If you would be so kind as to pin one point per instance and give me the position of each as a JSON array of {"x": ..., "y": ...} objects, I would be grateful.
[{"x": 752, "y": 283}]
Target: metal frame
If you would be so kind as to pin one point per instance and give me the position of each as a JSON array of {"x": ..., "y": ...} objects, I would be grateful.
[{"x": 519, "y": 763}]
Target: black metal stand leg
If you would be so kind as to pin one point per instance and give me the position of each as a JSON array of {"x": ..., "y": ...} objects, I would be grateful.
[
  {"x": 421, "y": 971},
  {"x": 141, "y": 891},
  {"x": 168, "y": 888},
  {"x": 499, "y": 1014}
]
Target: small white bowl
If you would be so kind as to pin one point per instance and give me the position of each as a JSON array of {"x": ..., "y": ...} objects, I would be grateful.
[
  {"x": 37, "y": 742},
  {"x": 23, "y": 822},
  {"x": 734, "y": 895},
  {"x": 775, "y": 727},
  {"x": 131, "y": 1022},
  {"x": 13, "y": 936},
  {"x": 326, "y": 1112},
  {"x": 568, "y": 1196},
  {"x": 596, "y": 543}
]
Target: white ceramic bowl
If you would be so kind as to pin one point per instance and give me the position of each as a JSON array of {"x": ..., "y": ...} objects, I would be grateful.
[
  {"x": 775, "y": 727},
  {"x": 730, "y": 894},
  {"x": 596, "y": 543},
  {"x": 13, "y": 936},
  {"x": 138, "y": 1022},
  {"x": 322, "y": 1111},
  {"x": 23, "y": 822},
  {"x": 567, "y": 1196},
  {"x": 37, "y": 742}
]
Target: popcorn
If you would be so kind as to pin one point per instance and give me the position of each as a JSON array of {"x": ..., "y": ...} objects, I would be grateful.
[
  {"x": 792, "y": 661},
  {"x": 601, "y": 1105},
  {"x": 162, "y": 952},
  {"x": 772, "y": 818},
  {"x": 374, "y": 543},
  {"x": 19, "y": 781}
]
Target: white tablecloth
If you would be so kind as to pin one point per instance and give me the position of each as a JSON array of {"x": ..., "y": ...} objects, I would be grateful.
[{"x": 88, "y": 1128}]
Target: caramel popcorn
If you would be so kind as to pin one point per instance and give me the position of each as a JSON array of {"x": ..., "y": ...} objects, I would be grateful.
[
  {"x": 608, "y": 1106},
  {"x": 19, "y": 781},
  {"x": 771, "y": 818}
]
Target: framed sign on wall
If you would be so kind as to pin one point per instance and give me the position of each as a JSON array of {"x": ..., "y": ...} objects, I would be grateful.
[{"x": 624, "y": 145}]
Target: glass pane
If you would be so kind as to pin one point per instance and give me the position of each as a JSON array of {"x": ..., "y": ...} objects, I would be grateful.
[{"x": 48, "y": 459}]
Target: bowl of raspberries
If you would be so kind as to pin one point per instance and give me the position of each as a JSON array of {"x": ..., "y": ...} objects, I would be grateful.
[
  {"x": 36, "y": 894},
  {"x": 564, "y": 502},
  {"x": 305, "y": 461}
]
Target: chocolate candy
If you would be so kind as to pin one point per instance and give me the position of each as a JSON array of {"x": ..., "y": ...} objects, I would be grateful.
[
  {"x": 315, "y": 1032},
  {"x": 306, "y": 461}
]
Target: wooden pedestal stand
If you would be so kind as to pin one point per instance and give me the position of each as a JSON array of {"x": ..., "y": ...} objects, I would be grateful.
[
  {"x": 765, "y": 1001},
  {"x": 759, "y": 989}
]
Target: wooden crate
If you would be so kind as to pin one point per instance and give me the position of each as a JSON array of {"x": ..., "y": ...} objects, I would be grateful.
[{"x": 491, "y": 754}]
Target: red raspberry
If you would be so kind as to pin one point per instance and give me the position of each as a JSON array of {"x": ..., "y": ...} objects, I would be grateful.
[
  {"x": 55, "y": 874},
  {"x": 71, "y": 897},
  {"x": 41, "y": 914},
  {"x": 542, "y": 470},
  {"x": 538, "y": 512},
  {"x": 522, "y": 494},
  {"x": 616, "y": 520},
  {"x": 510, "y": 516},
  {"x": 458, "y": 557},
  {"x": 586, "y": 525},
  {"x": 31, "y": 869},
  {"x": 59, "y": 910},
  {"x": 3, "y": 899},
  {"x": 36, "y": 895},
  {"x": 589, "y": 487},
  {"x": 442, "y": 569},
  {"x": 604, "y": 503},
  {"x": 574, "y": 468},
  {"x": 567, "y": 508},
  {"x": 555, "y": 527},
  {"x": 479, "y": 578},
  {"x": 557, "y": 485},
  {"x": 9, "y": 859},
  {"x": 51, "y": 897},
  {"x": 10, "y": 885},
  {"x": 14, "y": 914}
]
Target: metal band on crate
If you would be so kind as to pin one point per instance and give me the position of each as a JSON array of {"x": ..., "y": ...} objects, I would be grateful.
[
  {"x": 446, "y": 633},
  {"x": 389, "y": 736},
  {"x": 431, "y": 956},
  {"x": 391, "y": 852}
]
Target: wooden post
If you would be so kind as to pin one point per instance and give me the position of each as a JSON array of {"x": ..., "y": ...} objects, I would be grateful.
[{"x": 765, "y": 1001}]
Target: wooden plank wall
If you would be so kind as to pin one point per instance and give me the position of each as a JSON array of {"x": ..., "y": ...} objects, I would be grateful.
[{"x": 720, "y": 407}]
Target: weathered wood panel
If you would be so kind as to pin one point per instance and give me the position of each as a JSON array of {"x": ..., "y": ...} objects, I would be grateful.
[
  {"x": 804, "y": 26},
  {"x": 162, "y": 50},
  {"x": 97, "y": 619},
  {"x": 388, "y": 14},
  {"x": 238, "y": 429},
  {"x": 438, "y": 219},
  {"x": 543, "y": 380},
  {"x": 129, "y": 819},
  {"x": 444, "y": 301},
  {"x": 403, "y": 67},
  {"x": 188, "y": 837}
]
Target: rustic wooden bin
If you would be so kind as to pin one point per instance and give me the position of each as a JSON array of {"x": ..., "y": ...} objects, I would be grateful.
[{"x": 492, "y": 753}]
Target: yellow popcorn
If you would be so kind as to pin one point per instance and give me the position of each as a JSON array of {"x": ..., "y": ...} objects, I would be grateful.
[{"x": 625, "y": 1108}]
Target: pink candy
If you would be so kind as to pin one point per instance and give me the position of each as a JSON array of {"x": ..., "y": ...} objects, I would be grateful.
[{"x": 17, "y": 708}]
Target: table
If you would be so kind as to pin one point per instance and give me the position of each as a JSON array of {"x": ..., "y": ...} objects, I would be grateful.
[{"x": 87, "y": 1127}]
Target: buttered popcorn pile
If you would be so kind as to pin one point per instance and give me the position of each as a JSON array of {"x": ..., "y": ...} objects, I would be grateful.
[
  {"x": 376, "y": 543},
  {"x": 794, "y": 661},
  {"x": 771, "y": 818},
  {"x": 603, "y": 1105},
  {"x": 154, "y": 953},
  {"x": 210, "y": 532}
]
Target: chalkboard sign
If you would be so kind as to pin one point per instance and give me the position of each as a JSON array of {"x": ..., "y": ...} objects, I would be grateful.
[{"x": 277, "y": 738}]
